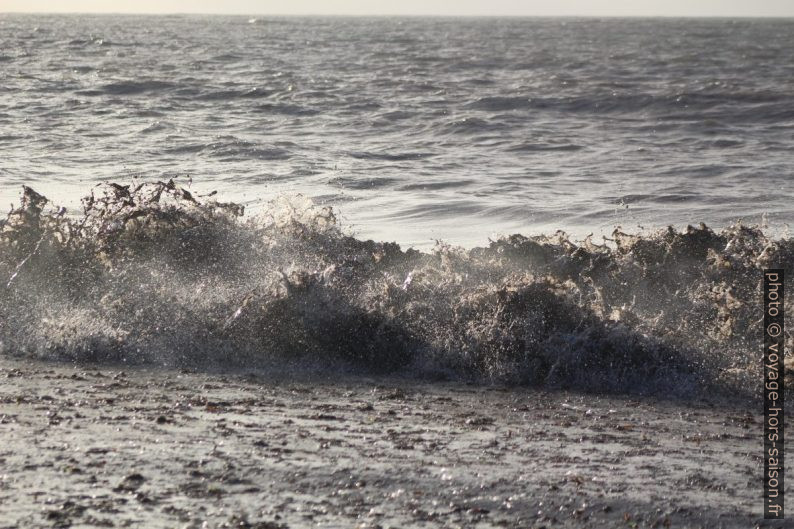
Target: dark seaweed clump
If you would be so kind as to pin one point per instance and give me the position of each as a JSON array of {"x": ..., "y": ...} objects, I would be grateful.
[{"x": 154, "y": 274}]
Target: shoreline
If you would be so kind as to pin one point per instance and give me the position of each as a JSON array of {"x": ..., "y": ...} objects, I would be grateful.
[{"x": 91, "y": 445}]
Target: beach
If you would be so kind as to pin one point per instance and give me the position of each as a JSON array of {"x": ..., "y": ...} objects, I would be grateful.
[
  {"x": 393, "y": 272},
  {"x": 120, "y": 446}
]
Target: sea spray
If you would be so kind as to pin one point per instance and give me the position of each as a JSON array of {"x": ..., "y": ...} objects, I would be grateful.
[{"x": 152, "y": 273}]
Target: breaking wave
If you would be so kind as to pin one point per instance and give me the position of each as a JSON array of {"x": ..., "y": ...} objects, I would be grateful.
[{"x": 154, "y": 274}]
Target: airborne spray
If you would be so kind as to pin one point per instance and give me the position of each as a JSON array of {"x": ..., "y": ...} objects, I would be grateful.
[{"x": 154, "y": 274}]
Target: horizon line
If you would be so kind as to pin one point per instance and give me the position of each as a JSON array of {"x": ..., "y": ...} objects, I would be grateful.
[{"x": 386, "y": 15}]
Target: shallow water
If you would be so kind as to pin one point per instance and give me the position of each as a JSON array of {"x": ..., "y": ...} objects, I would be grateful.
[{"x": 414, "y": 129}]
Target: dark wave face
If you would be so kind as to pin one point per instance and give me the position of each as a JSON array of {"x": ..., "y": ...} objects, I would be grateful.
[
  {"x": 417, "y": 128},
  {"x": 155, "y": 274}
]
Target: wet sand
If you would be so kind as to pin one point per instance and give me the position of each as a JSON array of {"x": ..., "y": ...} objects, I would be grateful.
[{"x": 99, "y": 446}]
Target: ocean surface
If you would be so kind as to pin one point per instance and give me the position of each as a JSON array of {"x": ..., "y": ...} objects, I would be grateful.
[{"x": 413, "y": 129}]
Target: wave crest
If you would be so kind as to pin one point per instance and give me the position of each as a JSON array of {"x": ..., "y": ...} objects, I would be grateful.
[{"x": 155, "y": 274}]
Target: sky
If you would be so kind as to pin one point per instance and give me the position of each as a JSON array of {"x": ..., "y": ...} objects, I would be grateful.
[{"x": 725, "y": 8}]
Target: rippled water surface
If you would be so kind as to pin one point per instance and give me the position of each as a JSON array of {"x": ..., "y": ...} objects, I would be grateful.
[{"x": 413, "y": 128}]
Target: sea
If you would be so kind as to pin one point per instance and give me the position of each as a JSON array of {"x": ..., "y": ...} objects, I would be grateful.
[
  {"x": 567, "y": 202},
  {"x": 413, "y": 129}
]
